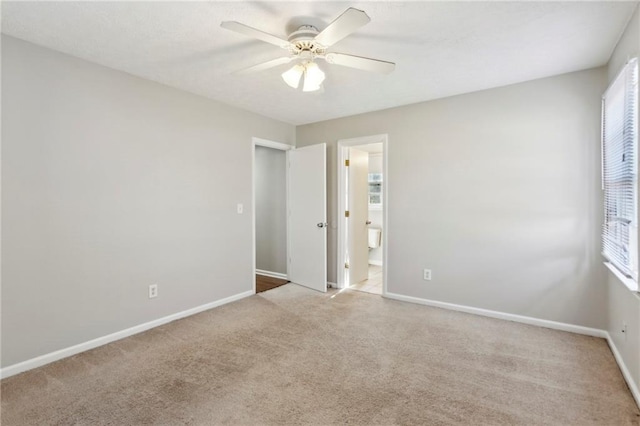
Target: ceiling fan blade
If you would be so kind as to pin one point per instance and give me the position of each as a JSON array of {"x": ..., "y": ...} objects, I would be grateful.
[
  {"x": 252, "y": 32},
  {"x": 367, "y": 64},
  {"x": 350, "y": 20},
  {"x": 265, "y": 65}
]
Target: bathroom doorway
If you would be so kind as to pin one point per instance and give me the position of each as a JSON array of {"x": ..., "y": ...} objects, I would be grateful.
[{"x": 362, "y": 214}]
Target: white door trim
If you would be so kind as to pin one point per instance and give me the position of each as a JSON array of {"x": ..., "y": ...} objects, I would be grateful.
[
  {"x": 275, "y": 145},
  {"x": 343, "y": 147}
]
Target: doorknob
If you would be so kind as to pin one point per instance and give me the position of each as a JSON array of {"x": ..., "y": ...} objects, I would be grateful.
[
  {"x": 368, "y": 222},
  {"x": 321, "y": 224}
]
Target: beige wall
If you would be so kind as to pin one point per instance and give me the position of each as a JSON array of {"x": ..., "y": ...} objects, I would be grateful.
[
  {"x": 628, "y": 46},
  {"x": 111, "y": 183},
  {"x": 497, "y": 192},
  {"x": 623, "y": 306}
]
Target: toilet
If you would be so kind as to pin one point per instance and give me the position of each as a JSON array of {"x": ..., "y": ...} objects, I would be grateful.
[{"x": 375, "y": 236}]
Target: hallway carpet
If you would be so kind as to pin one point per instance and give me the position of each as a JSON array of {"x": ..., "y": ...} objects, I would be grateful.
[{"x": 294, "y": 356}]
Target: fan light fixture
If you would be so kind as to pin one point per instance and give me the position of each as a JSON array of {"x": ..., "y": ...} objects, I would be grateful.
[
  {"x": 313, "y": 76},
  {"x": 292, "y": 77}
]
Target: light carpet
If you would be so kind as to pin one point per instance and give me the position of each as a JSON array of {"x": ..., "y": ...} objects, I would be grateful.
[{"x": 294, "y": 356}]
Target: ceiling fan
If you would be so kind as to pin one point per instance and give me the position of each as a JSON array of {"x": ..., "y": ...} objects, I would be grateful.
[{"x": 307, "y": 44}]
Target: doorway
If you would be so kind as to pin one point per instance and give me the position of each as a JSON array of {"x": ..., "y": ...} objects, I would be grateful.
[
  {"x": 297, "y": 215},
  {"x": 362, "y": 228},
  {"x": 270, "y": 214}
]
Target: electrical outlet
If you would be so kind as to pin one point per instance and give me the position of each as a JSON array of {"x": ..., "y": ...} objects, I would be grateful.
[
  {"x": 426, "y": 275},
  {"x": 240, "y": 208},
  {"x": 153, "y": 291}
]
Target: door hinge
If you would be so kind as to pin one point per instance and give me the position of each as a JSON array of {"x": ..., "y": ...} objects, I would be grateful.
[
  {"x": 346, "y": 163},
  {"x": 346, "y": 265},
  {"x": 346, "y": 213}
]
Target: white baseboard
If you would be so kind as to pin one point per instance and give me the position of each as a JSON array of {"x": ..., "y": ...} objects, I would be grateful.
[
  {"x": 91, "y": 344},
  {"x": 272, "y": 274},
  {"x": 633, "y": 386},
  {"x": 502, "y": 315},
  {"x": 375, "y": 262}
]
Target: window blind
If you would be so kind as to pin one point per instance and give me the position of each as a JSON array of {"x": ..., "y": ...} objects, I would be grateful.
[{"x": 620, "y": 169}]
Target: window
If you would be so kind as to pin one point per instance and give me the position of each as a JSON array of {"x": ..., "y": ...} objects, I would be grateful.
[
  {"x": 375, "y": 190},
  {"x": 620, "y": 171}
]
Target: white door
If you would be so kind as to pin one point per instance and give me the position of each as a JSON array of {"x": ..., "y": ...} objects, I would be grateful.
[
  {"x": 358, "y": 229},
  {"x": 308, "y": 216}
]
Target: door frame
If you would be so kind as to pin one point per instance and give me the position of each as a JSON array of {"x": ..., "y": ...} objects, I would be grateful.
[
  {"x": 282, "y": 147},
  {"x": 343, "y": 151}
]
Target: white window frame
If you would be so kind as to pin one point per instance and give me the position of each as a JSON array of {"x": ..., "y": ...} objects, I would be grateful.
[
  {"x": 372, "y": 180},
  {"x": 620, "y": 174}
]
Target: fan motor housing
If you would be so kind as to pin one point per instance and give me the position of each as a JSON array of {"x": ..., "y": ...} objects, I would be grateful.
[{"x": 303, "y": 40}]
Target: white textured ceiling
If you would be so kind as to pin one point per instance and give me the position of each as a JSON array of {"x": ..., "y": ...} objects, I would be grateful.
[{"x": 440, "y": 48}]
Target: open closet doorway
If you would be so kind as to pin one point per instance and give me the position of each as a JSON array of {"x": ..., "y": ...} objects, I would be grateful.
[
  {"x": 270, "y": 214},
  {"x": 289, "y": 215},
  {"x": 362, "y": 229}
]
